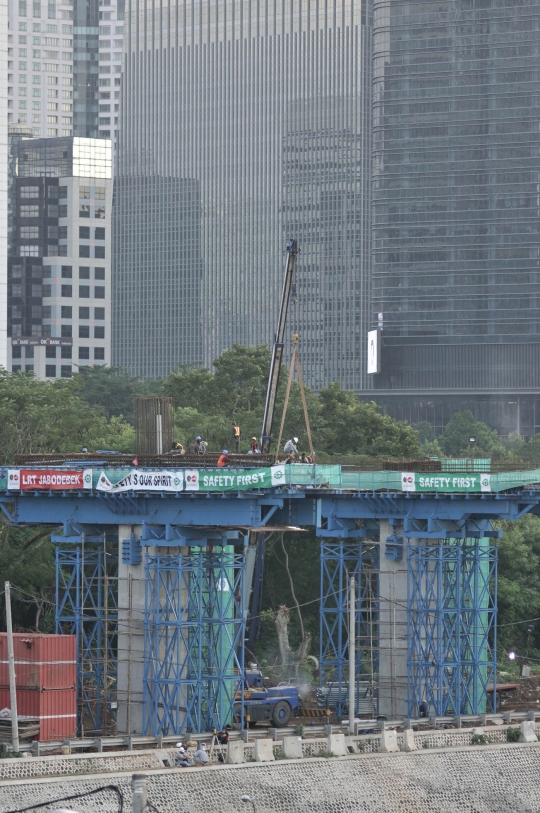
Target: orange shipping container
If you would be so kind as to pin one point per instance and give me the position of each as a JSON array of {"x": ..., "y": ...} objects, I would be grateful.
[
  {"x": 41, "y": 661},
  {"x": 56, "y": 710}
]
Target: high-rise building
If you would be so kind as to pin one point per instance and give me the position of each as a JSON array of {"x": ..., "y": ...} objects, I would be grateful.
[
  {"x": 243, "y": 124},
  {"x": 456, "y": 210},
  {"x": 59, "y": 279},
  {"x": 65, "y": 59}
]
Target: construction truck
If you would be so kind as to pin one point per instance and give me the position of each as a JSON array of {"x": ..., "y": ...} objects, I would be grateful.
[{"x": 275, "y": 704}]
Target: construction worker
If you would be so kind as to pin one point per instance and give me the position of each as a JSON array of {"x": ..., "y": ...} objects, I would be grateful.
[
  {"x": 223, "y": 459},
  {"x": 200, "y": 757},
  {"x": 177, "y": 447},
  {"x": 198, "y": 446},
  {"x": 254, "y": 448},
  {"x": 236, "y": 434},
  {"x": 291, "y": 447},
  {"x": 182, "y": 758}
]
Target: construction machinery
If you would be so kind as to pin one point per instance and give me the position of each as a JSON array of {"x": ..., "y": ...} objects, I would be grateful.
[
  {"x": 275, "y": 704},
  {"x": 277, "y": 350}
]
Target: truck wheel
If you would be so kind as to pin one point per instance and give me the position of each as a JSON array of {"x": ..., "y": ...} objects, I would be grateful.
[{"x": 281, "y": 714}]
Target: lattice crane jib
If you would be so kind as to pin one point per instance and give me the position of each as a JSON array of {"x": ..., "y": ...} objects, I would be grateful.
[
  {"x": 87, "y": 607},
  {"x": 452, "y": 615},
  {"x": 194, "y": 635},
  {"x": 339, "y": 561}
]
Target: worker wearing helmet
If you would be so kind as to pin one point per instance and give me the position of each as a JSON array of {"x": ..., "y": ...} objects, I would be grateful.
[
  {"x": 254, "y": 448},
  {"x": 236, "y": 435},
  {"x": 198, "y": 446},
  {"x": 223, "y": 459},
  {"x": 291, "y": 447}
]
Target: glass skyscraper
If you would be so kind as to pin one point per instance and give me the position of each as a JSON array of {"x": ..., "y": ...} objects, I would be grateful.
[
  {"x": 243, "y": 123},
  {"x": 456, "y": 200}
]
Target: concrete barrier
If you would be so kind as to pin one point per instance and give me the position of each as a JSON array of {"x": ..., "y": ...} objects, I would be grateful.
[
  {"x": 388, "y": 741},
  {"x": 292, "y": 747},
  {"x": 336, "y": 745},
  {"x": 528, "y": 733},
  {"x": 263, "y": 751},
  {"x": 408, "y": 741},
  {"x": 235, "y": 752}
]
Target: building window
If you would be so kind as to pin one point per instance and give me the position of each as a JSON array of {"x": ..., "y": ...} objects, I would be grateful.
[
  {"x": 16, "y": 368},
  {"x": 65, "y": 352},
  {"x": 66, "y": 311},
  {"x": 99, "y": 193},
  {"x": 29, "y": 192},
  {"x": 84, "y": 291},
  {"x": 65, "y": 370},
  {"x": 67, "y": 290},
  {"x": 84, "y": 251},
  {"x": 99, "y": 273},
  {"x": 29, "y": 211},
  {"x": 84, "y": 192},
  {"x": 84, "y": 272},
  {"x": 84, "y": 352},
  {"x": 84, "y": 232},
  {"x": 99, "y": 314},
  {"x": 99, "y": 292},
  {"x": 50, "y": 352},
  {"x": 29, "y": 232},
  {"x": 99, "y": 252},
  {"x": 84, "y": 332},
  {"x": 62, "y": 251},
  {"x": 62, "y": 211},
  {"x": 47, "y": 291},
  {"x": 16, "y": 352},
  {"x": 62, "y": 232},
  {"x": 84, "y": 313},
  {"x": 99, "y": 353},
  {"x": 99, "y": 332},
  {"x": 67, "y": 271},
  {"x": 62, "y": 191},
  {"x": 66, "y": 331},
  {"x": 99, "y": 212},
  {"x": 100, "y": 233},
  {"x": 84, "y": 210}
]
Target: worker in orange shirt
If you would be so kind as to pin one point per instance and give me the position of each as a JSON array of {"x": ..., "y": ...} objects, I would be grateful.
[{"x": 223, "y": 459}]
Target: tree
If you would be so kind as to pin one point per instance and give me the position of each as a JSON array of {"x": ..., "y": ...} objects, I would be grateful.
[
  {"x": 44, "y": 417},
  {"x": 27, "y": 561},
  {"x": 462, "y": 426},
  {"x": 111, "y": 389},
  {"x": 353, "y": 426},
  {"x": 192, "y": 388},
  {"x": 518, "y": 590},
  {"x": 241, "y": 377}
]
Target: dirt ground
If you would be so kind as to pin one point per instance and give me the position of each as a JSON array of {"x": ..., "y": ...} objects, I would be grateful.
[{"x": 525, "y": 698}]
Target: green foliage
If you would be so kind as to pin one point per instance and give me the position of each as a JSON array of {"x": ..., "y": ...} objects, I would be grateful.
[
  {"x": 27, "y": 561},
  {"x": 480, "y": 739},
  {"x": 5, "y": 752},
  {"x": 111, "y": 389},
  {"x": 350, "y": 425},
  {"x": 518, "y": 590},
  {"x": 42, "y": 416},
  {"x": 300, "y": 730},
  {"x": 462, "y": 426},
  {"x": 513, "y": 734}
]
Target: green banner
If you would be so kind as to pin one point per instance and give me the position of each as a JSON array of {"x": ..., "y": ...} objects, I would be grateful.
[{"x": 446, "y": 482}]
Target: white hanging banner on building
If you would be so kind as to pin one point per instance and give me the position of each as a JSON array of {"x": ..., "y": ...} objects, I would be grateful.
[{"x": 138, "y": 480}]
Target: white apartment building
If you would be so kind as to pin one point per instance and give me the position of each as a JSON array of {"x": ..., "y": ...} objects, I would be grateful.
[{"x": 59, "y": 268}]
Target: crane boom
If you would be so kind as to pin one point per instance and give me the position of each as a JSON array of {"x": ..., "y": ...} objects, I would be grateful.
[{"x": 277, "y": 351}]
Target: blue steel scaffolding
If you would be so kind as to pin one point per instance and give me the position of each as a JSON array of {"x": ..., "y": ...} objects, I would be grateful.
[
  {"x": 194, "y": 636},
  {"x": 87, "y": 606},
  {"x": 452, "y": 627},
  {"x": 339, "y": 561}
]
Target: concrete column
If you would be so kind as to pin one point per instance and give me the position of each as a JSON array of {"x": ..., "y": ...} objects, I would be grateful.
[
  {"x": 131, "y": 588},
  {"x": 392, "y": 631}
]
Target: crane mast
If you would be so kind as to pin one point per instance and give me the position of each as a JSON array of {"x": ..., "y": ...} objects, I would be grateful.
[{"x": 277, "y": 350}]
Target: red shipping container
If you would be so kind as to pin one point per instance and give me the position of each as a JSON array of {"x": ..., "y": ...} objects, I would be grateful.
[
  {"x": 41, "y": 661},
  {"x": 56, "y": 710}
]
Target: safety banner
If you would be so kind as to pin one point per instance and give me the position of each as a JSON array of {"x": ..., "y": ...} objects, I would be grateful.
[
  {"x": 412, "y": 481},
  {"x": 194, "y": 480},
  {"x": 49, "y": 479}
]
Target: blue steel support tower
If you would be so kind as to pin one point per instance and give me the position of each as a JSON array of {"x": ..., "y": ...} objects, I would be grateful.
[
  {"x": 339, "y": 561},
  {"x": 194, "y": 635},
  {"x": 87, "y": 607},
  {"x": 452, "y": 626}
]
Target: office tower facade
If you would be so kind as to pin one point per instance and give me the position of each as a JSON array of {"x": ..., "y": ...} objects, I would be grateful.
[
  {"x": 248, "y": 124},
  {"x": 59, "y": 278},
  {"x": 456, "y": 226},
  {"x": 4, "y": 160},
  {"x": 64, "y": 67}
]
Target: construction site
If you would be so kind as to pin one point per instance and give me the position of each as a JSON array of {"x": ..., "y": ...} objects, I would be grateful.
[{"x": 159, "y": 575}]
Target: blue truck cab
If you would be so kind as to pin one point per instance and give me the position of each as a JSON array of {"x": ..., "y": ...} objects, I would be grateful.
[{"x": 276, "y": 704}]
